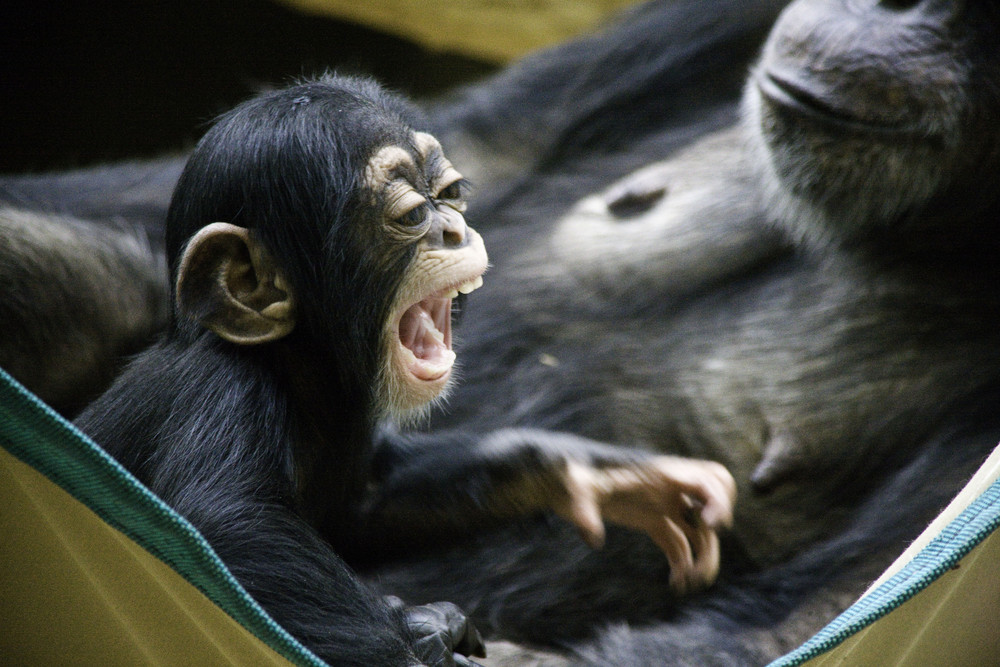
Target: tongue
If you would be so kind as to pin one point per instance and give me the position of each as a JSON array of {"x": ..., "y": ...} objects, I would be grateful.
[{"x": 432, "y": 355}]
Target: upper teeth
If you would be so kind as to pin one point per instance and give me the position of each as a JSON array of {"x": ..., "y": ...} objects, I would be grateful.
[
  {"x": 471, "y": 286},
  {"x": 430, "y": 327}
]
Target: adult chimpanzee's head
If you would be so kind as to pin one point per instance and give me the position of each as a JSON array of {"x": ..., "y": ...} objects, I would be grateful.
[
  {"x": 870, "y": 113},
  {"x": 318, "y": 215}
]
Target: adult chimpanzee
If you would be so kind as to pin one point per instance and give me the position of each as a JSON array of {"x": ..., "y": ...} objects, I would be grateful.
[
  {"x": 315, "y": 242},
  {"x": 809, "y": 297}
]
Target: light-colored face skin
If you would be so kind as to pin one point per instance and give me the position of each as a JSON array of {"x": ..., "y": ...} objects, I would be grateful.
[{"x": 423, "y": 204}]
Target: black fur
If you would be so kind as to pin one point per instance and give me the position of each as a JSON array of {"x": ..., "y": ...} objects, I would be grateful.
[
  {"x": 86, "y": 279},
  {"x": 750, "y": 323},
  {"x": 835, "y": 348},
  {"x": 269, "y": 449},
  {"x": 79, "y": 296},
  {"x": 264, "y": 448}
]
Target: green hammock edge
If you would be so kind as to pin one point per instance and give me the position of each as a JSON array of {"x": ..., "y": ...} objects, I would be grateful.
[
  {"x": 38, "y": 436},
  {"x": 964, "y": 533}
]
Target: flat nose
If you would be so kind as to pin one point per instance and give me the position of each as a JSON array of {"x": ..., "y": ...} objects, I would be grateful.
[{"x": 448, "y": 229}]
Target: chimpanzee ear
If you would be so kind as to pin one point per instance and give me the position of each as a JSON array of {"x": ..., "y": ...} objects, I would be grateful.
[{"x": 232, "y": 286}]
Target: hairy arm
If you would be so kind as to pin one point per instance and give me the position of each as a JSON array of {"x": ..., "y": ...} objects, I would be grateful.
[
  {"x": 79, "y": 297},
  {"x": 233, "y": 481},
  {"x": 453, "y": 483},
  {"x": 279, "y": 559},
  {"x": 308, "y": 589}
]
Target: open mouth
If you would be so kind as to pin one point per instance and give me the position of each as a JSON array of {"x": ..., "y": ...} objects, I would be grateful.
[{"x": 425, "y": 333}]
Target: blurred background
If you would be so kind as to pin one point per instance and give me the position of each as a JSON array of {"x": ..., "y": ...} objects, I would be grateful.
[{"x": 82, "y": 83}]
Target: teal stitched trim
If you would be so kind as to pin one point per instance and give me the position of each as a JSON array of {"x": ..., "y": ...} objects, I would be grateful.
[
  {"x": 39, "y": 437},
  {"x": 952, "y": 544}
]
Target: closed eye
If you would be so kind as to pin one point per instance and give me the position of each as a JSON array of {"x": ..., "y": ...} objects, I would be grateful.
[
  {"x": 455, "y": 190},
  {"x": 415, "y": 216}
]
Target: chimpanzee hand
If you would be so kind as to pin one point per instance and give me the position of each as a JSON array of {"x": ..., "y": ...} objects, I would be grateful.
[
  {"x": 678, "y": 502},
  {"x": 444, "y": 636}
]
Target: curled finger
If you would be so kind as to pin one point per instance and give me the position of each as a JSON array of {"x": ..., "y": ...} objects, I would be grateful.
[
  {"x": 720, "y": 497},
  {"x": 705, "y": 544},
  {"x": 712, "y": 488},
  {"x": 672, "y": 541}
]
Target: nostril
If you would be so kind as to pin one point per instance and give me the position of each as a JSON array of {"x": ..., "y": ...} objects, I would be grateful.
[
  {"x": 898, "y": 5},
  {"x": 634, "y": 202},
  {"x": 449, "y": 228},
  {"x": 454, "y": 238}
]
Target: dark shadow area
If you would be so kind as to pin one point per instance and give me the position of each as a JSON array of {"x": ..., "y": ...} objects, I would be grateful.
[{"x": 111, "y": 79}]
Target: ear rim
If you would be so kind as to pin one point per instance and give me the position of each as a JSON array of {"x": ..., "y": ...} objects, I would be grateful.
[{"x": 213, "y": 259}]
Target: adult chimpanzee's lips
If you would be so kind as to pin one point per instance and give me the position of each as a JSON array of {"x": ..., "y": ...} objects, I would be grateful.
[
  {"x": 425, "y": 333},
  {"x": 811, "y": 99}
]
